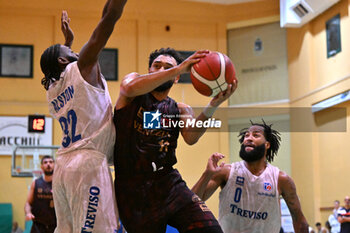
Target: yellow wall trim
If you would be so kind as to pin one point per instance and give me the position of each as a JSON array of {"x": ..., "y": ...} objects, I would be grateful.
[{"x": 320, "y": 89}]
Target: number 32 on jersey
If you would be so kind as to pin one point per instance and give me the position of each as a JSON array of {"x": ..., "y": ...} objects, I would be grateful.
[{"x": 68, "y": 125}]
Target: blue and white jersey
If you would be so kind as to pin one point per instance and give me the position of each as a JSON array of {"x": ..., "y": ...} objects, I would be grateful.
[
  {"x": 249, "y": 203},
  {"x": 83, "y": 111}
]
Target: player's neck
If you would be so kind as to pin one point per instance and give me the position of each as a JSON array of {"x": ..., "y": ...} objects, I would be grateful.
[
  {"x": 47, "y": 178},
  {"x": 160, "y": 95},
  {"x": 256, "y": 167}
]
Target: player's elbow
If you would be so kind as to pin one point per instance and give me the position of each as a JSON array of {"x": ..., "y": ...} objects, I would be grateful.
[
  {"x": 129, "y": 87},
  {"x": 115, "y": 9},
  {"x": 128, "y": 91}
]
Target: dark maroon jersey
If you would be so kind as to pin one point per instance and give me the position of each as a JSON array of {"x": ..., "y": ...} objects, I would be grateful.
[
  {"x": 43, "y": 206},
  {"x": 138, "y": 149}
]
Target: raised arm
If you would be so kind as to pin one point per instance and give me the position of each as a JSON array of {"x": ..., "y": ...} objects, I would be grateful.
[
  {"x": 88, "y": 56},
  {"x": 288, "y": 190},
  {"x": 66, "y": 30},
  {"x": 29, "y": 202},
  {"x": 213, "y": 177},
  {"x": 191, "y": 135},
  {"x": 135, "y": 84}
]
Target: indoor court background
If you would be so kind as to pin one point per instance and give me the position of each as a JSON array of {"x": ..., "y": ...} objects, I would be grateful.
[{"x": 317, "y": 161}]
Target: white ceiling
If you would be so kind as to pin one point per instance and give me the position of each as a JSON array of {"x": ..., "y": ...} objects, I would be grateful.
[{"x": 226, "y": 2}]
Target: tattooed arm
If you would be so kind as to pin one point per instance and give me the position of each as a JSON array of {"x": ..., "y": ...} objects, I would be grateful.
[{"x": 287, "y": 188}]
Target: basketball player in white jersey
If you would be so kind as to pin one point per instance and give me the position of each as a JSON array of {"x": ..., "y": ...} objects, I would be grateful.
[
  {"x": 78, "y": 98},
  {"x": 250, "y": 189}
]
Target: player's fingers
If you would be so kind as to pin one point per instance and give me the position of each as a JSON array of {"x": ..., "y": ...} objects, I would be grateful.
[
  {"x": 213, "y": 157},
  {"x": 235, "y": 84},
  {"x": 200, "y": 54},
  {"x": 202, "y": 51},
  {"x": 228, "y": 90},
  {"x": 218, "y": 156},
  {"x": 64, "y": 15},
  {"x": 221, "y": 95}
]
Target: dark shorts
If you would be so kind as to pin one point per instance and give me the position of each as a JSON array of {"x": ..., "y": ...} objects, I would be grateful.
[
  {"x": 147, "y": 203},
  {"x": 41, "y": 228}
]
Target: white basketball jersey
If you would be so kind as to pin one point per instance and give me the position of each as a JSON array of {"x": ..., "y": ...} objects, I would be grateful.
[
  {"x": 249, "y": 203},
  {"x": 83, "y": 111}
]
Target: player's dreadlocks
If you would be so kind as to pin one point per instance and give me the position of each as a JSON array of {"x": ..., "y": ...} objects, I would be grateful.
[
  {"x": 168, "y": 51},
  {"x": 271, "y": 136},
  {"x": 49, "y": 65}
]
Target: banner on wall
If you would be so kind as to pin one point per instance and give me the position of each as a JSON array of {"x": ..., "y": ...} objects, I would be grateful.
[{"x": 14, "y": 132}]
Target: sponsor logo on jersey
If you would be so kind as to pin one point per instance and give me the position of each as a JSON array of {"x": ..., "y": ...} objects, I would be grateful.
[
  {"x": 267, "y": 186},
  {"x": 94, "y": 198},
  {"x": 240, "y": 180},
  {"x": 267, "y": 194},
  {"x": 248, "y": 213}
]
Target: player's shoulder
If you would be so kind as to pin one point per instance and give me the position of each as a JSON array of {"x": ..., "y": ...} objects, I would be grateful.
[
  {"x": 282, "y": 175},
  {"x": 284, "y": 180}
]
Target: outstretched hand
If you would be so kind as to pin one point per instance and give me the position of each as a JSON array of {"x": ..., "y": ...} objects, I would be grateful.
[
  {"x": 186, "y": 65},
  {"x": 224, "y": 95},
  {"x": 213, "y": 161},
  {"x": 67, "y": 31}
]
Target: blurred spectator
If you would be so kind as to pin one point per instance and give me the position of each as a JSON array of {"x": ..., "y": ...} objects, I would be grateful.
[
  {"x": 344, "y": 216},
  {"x": 321, "y": 229},
  {"x": 16, "y": 228}
]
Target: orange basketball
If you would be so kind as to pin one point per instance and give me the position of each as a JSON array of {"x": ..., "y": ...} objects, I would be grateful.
[{"x": 212, "y": 74}]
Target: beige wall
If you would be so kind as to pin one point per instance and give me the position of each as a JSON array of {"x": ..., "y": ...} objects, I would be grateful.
[{"x": 319, "y": 160}]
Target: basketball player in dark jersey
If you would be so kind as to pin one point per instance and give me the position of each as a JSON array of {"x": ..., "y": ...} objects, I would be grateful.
[
  {"x": 39, "y": 206},
  {"x": 150, "y": 193}
]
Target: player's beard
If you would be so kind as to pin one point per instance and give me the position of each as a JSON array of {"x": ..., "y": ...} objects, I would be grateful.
[
  {"x": 48, "y": 173},
  {"x": 254, "y": 155},
  {"x": 165, "y": 86}
]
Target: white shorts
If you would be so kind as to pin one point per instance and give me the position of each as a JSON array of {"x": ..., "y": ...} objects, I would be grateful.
[{"x": 83, "y": 193}]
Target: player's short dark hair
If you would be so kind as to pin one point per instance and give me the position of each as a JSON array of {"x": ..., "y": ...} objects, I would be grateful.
[
  {"x": 165, "y": 51},
  {"x": 49, "y": 65},
  {"x": 46, "y": 157},
  {"x": 271, "y": 135},
  {"x": 318, "y": 224}
]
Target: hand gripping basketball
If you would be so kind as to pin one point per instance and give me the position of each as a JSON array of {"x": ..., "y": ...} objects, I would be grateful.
[{"x": 212, "y": 74}]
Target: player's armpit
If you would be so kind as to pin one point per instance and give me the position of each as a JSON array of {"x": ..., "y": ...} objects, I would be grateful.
[{"x": 288, "y": 190}]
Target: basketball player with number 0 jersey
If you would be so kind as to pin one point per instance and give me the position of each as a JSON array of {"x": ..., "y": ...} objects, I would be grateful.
[
  {"x": 250, "y": 189},
  {"x": 79, "y": 99}
]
